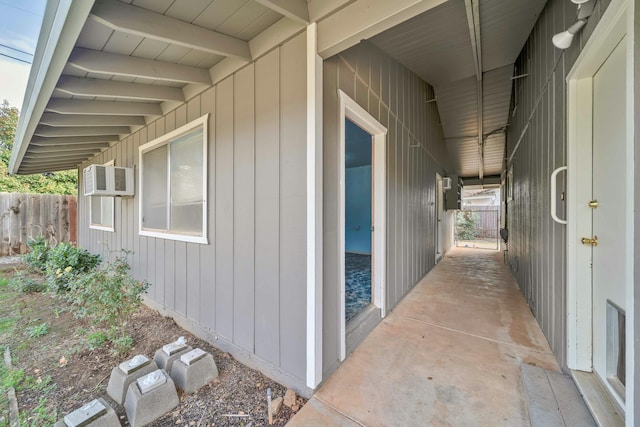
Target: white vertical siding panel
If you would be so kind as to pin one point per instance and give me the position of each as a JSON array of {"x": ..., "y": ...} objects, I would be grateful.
[
  {"x": 267, "y": 207},
  {"x": 293, "y": 206},
  {"x": 208, "y": 259},
  {"x": 224, "y": 208},
  {"x": 244, "y": 209},
  {"x": 536, "y": 243}
]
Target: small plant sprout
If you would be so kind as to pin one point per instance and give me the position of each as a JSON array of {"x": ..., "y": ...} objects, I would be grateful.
[{"x": 38, "y": 331}]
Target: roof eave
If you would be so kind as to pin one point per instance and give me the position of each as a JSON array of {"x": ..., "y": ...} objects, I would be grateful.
[{"x": 61, "y": 25}]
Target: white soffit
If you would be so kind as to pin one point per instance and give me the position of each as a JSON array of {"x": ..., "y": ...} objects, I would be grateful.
[
  {"x": 436, "y": 45},
  {"x": 133, "y": 61}
]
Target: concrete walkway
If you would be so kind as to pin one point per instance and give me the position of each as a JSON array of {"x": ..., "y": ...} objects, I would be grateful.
[{"x": 448, "y": 355}]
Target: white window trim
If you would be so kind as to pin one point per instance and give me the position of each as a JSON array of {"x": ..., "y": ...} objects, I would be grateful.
[
  {"x": 163, "y": 140},
  {"x": 113, "y": 212}
]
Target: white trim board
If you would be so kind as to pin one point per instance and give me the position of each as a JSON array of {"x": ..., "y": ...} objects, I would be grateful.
[
  {"x": 616, "y": 21},
  {"x": 314, "y": 209},
  {"x": 350, "y": 109}
]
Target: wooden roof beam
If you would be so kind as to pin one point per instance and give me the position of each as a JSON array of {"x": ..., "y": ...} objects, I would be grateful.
[
  {"x": 55, "y": 119},
  {"x": 26, "y": 170},
  {"x": 107, "y": 108},
  {"x": 116, "y": 89},
  {"x": 91, "y": 147},
  {"x": 295, "y": 10},
  {"x": 110, "y": 64},
  {"x": 52, "y": 131},
  {"x": 97, "y": 139},
  {"x": 41, "y": 159},
  {"x": 145, "y": 23},
  {"x": 65, "y": 153}
]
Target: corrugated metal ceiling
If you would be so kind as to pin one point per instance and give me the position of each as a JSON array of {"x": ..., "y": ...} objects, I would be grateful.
[{"x": 437, "y": 46}]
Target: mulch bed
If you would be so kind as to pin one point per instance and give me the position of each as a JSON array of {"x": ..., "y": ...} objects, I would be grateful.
[{"x": 236, "y": 398}]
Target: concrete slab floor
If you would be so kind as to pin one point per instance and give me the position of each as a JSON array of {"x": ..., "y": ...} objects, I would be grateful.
[{"x": 449, "y": 354}]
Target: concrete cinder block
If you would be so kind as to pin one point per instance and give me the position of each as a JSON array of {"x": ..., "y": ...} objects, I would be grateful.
[
  {"x": 96, "y": 413},
  {"x": 193, "y": 370},
  {"x": 150, "y": 397},
  {"x": 169, "y": 353},
  {"x": 126, "y": 373}
]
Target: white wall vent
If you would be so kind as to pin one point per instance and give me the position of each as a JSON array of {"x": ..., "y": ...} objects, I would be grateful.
[
  {"x": 102, "y": 180},
  {"x": 446, "y": 183}
]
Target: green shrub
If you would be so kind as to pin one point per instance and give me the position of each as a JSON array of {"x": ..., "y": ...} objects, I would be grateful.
[
  {"x": 108, "y": 295},
  {"x": 96, "y": 340},
  {"x": 122, "y": 344},
  {"x": 22, "y": 281},
  {"x": 65, "y": 262},
  {"x": 38, "y": 253},
  {"x": 37, "y": 331}
]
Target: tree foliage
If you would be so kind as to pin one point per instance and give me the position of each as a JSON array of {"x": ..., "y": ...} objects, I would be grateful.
[
  {"x": 65, "y": 182},
  {"x": 466, "y": 222}
]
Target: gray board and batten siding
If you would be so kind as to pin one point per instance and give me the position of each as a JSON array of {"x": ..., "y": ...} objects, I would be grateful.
[
  {"x": 415, "y": 151},
  {"x": 245, "y": 290},
  {"x": 537, "y": 244}
]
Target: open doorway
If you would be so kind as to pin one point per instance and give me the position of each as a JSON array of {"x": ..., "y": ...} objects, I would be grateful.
[
  {"x": 477, "y": 224},
  {"x": 358, "y": 220},
  {"x": 366, "y": 228}
]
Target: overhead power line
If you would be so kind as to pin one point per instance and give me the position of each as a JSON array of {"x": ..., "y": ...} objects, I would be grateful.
[
  {"x": 17, "y": 50},
  {"x": 13, "y": 57}
]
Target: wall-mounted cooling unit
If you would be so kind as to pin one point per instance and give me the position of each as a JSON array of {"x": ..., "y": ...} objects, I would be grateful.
[
  {"x": 102, "y": 180},
  {"x": 446, "y": 183}
]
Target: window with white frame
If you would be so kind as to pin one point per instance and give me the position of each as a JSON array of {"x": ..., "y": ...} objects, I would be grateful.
[
  {"x": 101, "y": 210},
  {"x": 173, "y": 184}
]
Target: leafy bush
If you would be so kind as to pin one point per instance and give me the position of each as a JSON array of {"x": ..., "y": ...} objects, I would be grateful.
[
  {"x": 122, "y": 344},
  {"x": 37, "y": 331},
  {"x": 23, "y": 282},
  {"x": 96, "y": 340},
  {"x": 65, "y": 262},
  {"x": 466, "y": 222},
  {"x": 108, "y": 295},
  {"x": 38, "y": 253}
]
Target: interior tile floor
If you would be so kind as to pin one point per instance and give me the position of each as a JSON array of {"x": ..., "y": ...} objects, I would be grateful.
[{"x": 448, "y": 354}]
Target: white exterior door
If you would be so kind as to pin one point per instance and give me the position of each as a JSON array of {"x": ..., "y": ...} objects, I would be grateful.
[
  {"x": 439, "y": 217},
  {"x": 609, "y": 261}
]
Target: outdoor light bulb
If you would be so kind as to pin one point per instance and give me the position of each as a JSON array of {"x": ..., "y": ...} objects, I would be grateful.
[
  {"x": 579, "y": 1},
  {"x": 562, "y": 40}
]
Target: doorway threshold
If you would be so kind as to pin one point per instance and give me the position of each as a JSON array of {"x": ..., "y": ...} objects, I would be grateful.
[
  {"x": 604, "y": 411},
  {"x": 360, "y": 326}
]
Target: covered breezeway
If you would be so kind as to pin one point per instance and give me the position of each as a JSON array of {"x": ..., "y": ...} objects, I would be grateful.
[{"x": 449, "y": 354}]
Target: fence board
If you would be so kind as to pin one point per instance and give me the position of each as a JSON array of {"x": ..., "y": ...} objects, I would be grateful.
[{"x": 24, "y": 216}]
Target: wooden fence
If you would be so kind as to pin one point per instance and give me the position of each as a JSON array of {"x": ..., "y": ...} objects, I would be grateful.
[{"x": 23, "y": 216}]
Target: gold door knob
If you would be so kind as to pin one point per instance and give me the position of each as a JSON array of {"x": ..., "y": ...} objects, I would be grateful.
[
  {"x": 593, "y": 204},
  {"x": 588, "y": 241}
]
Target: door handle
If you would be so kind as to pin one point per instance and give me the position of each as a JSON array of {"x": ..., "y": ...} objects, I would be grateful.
[
  {"x": 554, "y": 177},
  {"x": 588, "y": 241}
]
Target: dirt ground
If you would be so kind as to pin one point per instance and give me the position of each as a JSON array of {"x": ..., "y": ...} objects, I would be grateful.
[{"x": 78, "y": 374}]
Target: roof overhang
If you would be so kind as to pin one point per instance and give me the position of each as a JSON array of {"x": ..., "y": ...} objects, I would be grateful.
[{"x": 62, "y": 23}]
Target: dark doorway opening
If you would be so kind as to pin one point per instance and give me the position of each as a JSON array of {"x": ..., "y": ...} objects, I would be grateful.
[{"x": 358, "y": 220}]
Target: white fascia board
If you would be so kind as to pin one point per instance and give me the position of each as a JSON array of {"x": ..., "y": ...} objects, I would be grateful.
[{"x": 62, "y": 23}]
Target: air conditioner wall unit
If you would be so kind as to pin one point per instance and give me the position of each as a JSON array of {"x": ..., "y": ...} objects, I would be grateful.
[
  {"x": 100, "y": 180},
  {"x": 446, "y": 183}
]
